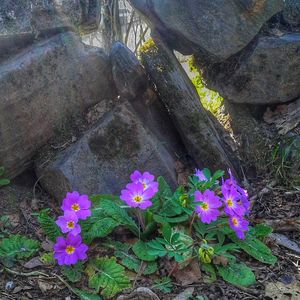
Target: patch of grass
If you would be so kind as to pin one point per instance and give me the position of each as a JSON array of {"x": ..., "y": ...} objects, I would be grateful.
[{"x": 285, "y": 161}]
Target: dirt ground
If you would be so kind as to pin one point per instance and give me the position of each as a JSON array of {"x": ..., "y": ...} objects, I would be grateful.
[{"x": 24, "y": 197}]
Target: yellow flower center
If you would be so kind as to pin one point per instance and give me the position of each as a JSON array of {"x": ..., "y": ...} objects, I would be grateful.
[
  {"x": 138, "y": 199},
  {"x": 75, "y": 207},
  {"x": 205, "y": 206},
  {"x": 235, "y": 221},
  {"x": 229, "y": 202},
  {"x": 70, "y": 249},
  {"x": 71, "y": 224},
  {"x": 145, "y": 185}
]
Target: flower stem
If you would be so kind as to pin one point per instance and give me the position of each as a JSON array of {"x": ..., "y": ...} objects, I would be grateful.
[
  {"x": 140, "y": 219},
  {"x": 191, "y": 223}
]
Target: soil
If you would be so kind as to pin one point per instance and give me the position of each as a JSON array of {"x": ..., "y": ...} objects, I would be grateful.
[{"x": 23, "y": 198}]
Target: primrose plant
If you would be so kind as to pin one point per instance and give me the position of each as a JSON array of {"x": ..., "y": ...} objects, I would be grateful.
[{"x": 207, "y": 221}]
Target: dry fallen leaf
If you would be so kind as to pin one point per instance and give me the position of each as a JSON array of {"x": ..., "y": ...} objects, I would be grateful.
[
  {"x": 280, "y": 291},
  {"x": 220, "y": 260},
  {"x": 44, "y": 286},
  {"x": 189, "y": 275},
  {"x": 47, "y": 245},
  {"x": 33, "y": 263}
]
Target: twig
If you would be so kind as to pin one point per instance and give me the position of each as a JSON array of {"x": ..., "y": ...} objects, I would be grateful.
[
  {"x": 34, "y": 273},
  {"x": 138, "y": 274},
  {"x": 173, "y": 269},
  {"x": 248, "y": 291}
]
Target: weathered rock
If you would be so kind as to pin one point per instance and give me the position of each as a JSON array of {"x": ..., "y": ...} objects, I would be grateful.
[
  {"x": 128, "y": 74},
  {"x": 44, "y": 88},
  {"x": 22, "y": 21},
  {"x": 253, "y": 140},
  {"x": 218, "y": 28},
  {"x": 133, "y": 84},
  {"x": 102, "y": 160},
  {"x": 291, "y": 12},
  {"x": 198, "y": 131},
  {"x": 266, "y": 73}
]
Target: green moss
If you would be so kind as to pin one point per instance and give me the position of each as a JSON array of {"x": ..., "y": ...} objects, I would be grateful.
[
  {"x": 210, "y": 99},
  {"x": 148, "y": 46}
]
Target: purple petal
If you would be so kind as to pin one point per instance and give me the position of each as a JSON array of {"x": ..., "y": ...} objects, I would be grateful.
[
  {"x": 145, "y": 204},
  {"x": 135, "y": 188},
  {"x": 149, "y": 177},
  {"x": 154, "y": 186},
  {"x": 131, "y": 203},
  {"x": 60, "y": 244},
  {"x": 81, "y": 251},
  {"x": 84, "y": 214},
  {"x": 76, "y": 230},
  {"x": 84, "y": 202},
  {"x": 240, "y": 234},
  {"x": 198, "y": 196},
  {"x": 136, "y": 176},
  {"x": 60, "y": 257},
  {"x": 71, "y": 259},
  {"x": 126, "y": 195},
  {"x": 148, "y": 194},
  {"x": 73, "y": 240}
]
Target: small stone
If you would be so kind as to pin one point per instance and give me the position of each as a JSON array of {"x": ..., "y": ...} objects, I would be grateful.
[{"x": 9, "y": 285}]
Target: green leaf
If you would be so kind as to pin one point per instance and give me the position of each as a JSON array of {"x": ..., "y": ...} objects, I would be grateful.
[
  {"x": 164, "y": 189},
  {"x": 164, "y": 285},
  {"x": 4, "y": 181},
  {"x": 255, "y": 248},
  {"x": 47, "y": 258},
  {"x": 210, "y": 269},
  {"x": 237, "y": 274},
  {"x": 98, "y": 228},
  {"x": 96, "y": 199},
  {"x": 228, "y": 247},
  {"x": 73, "y": 273},
  {"x": 261, "y": 230},
  {"x": 129, "y": 260},
  {"x": 110, "y": 277},
  {"x": 141, "y": 250},
  {"x": 175, "y": 244},
  {"x": 207, "y": 173},
  {"x": 119, "y": 214},
  {"x": 48, "y": 225},
  {"x": 17, "y": 247},
  {"x": 83, "y": 295},
  {"x": 176, "y": 220},
  {"x": 2, "y": 171}
]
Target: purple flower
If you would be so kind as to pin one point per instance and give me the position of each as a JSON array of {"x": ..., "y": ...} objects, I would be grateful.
[
  {"x": 146, "y": 179},
  {"x": 239, "y": 225},
  {"x": 68, "y": 223},
  {"x": 69, "y": 250},
  {"x": 243, "y": 195},
  {"x": 80, "y": 204},
  {"x": 135, "y": 195},
  {"x": 232, "y": 204},
  {"x": 208, "y": 210},
  {"x": 200, "y": 175}
]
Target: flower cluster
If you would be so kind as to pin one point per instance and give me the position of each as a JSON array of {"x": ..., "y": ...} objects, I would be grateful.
[
  {"x": 71, "y": 249},
  {"x": 140, "y": 191},
  {"x": 234, "y": 202}
]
